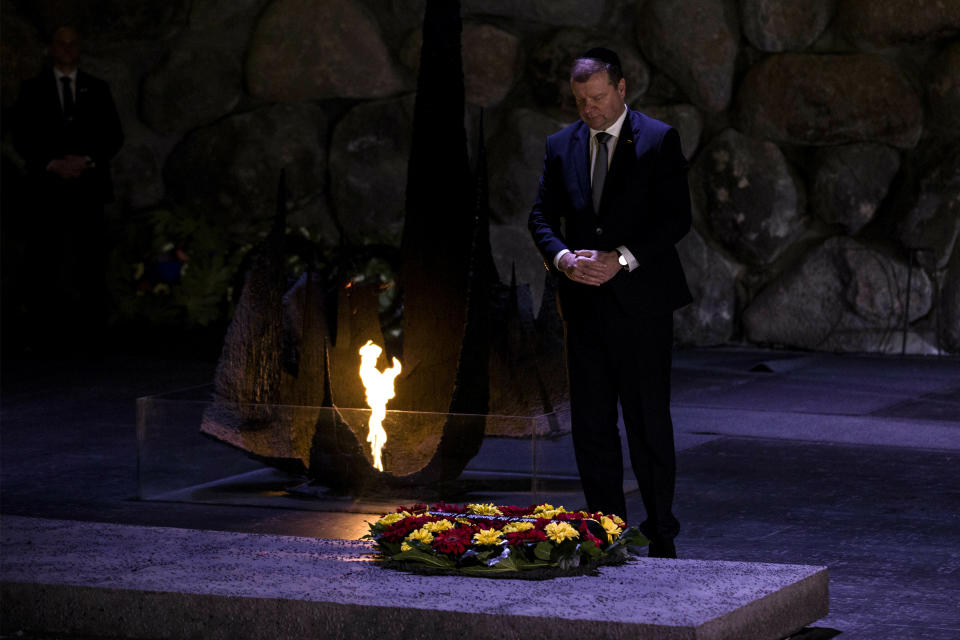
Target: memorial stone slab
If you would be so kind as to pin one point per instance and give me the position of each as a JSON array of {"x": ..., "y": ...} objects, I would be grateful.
[{"x": 145, "y": 582}]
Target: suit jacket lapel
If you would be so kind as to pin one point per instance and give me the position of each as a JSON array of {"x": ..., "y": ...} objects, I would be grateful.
[
  {"x": 53, "y": 93},
  {"x": 581, "y": 162},
  {"x": 623, "y": 154},
  {"x": 83, "y": 85}
]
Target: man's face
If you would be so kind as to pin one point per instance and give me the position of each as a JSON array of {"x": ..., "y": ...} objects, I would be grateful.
[
  {"x": 599, "y": 102},
  {"x": 65, "y": 48}
]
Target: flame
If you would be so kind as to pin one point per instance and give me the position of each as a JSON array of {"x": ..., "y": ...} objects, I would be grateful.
[{"x": 379, "y": 388}]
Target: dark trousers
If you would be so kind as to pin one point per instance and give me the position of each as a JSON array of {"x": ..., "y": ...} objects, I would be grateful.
[{"x": 612, "y": 357}]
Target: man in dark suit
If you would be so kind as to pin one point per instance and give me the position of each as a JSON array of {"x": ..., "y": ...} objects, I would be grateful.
[
  {"x": 613, "y": 202},
  {"x": 67, "y": 131}
]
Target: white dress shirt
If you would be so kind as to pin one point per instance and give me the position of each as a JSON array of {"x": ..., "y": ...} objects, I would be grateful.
[{"x": 614, "y": 131}]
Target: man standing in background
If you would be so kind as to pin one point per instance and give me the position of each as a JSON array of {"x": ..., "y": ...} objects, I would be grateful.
[
  {"x": 612, "y": 203},
  {"x": 67, "y": 130}
]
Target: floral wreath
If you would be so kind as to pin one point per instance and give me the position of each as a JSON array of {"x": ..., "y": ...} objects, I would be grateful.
[{"x": 486, "y": 540}]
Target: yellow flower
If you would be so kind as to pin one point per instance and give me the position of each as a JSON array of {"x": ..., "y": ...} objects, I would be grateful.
[
  {"x": 464, "y": 521},
  {"x": 560, "y": 531},
  {"x": 484, "y": 509},
  {"x": 422, "y": 535},
  {"x": 487, "y": 536},
  {"x": 548, "y": 511},
  {"x": 438, "y": 526},
  {"x": 516, "y": 527},
  {"x": 390, "y": 518},
  {"x": 611, "y": 528},
  {"x": 405, "y": 547}
]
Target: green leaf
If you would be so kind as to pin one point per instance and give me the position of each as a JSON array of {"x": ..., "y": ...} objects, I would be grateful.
[
  {"x": 415, "y": 555},
  {"x": 508, "y": 564},
  {"x": 631, "y": 537},
  {"x": 543, "y": 550},
  {"x": 483, "y": 556},
  {"x": 591, "y": 549},
  {"x": 523, "y": 563}
]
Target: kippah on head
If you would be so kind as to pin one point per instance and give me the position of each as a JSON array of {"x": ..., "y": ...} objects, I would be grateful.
[{"x": 603, "y": 55}]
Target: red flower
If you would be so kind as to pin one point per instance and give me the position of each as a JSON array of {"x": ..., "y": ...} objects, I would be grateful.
[
  {"x": 453, "y": 541},
  {"x": 541, "y": 523},
  {"x": 530, "y": 535},
  {"x": 514, "y": 511},
  {"x": 402, "y": 528},
  {"x": 585, "y": 535}
]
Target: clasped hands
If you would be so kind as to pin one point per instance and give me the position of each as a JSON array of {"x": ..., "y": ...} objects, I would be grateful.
[
  {"x": 588, "y": 266},
  {"x": 70, "y": 166}
]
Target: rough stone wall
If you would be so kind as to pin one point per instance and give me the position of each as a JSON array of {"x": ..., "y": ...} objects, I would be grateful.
[{"x": 824, "y": 136}]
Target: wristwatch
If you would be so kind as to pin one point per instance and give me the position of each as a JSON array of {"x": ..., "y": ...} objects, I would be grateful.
[{"x": 622, "y": 259}]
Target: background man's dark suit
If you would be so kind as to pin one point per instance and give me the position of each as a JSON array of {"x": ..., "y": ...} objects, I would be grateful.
[
  {"x": 620, "y": 334},
  {"x": 64, "y": 216}
]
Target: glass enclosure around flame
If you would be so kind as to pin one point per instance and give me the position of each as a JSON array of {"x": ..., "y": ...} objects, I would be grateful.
[{"x": 194, "y": 448}]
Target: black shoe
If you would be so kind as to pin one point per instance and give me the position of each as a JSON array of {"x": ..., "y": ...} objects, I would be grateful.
[{"x": 662, "y": 549}]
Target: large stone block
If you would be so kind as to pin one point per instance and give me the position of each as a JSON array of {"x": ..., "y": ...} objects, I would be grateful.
[
  {"x": 549, "y": 66},
  {"x": 21, "y": 55},
  {"x": 943, "y": 91},
  {"x": 194, "y": 85},
  {"x": 685, "y": 118},
  {"x": 369, "y": 153},
  {"x": 950, "y": 305},
  {"x": 695, "y": 43},
  {"x": 553, "y": 12},
  {"x": 228, "y": 18},
  {"x": 845, "y": 295},
  {"x": 749, "y": 196},
  {"x": 136, "y": 169},
  {"x": 305, "y": 50},
  {"x": 830, "y": 99},
  {"x": 230, "y": 169},
  {"x": 107, "y": 23},
  {"x": 850, "y": 182},
  {"x": 516, "y": 162},
  {"x": 884, "y": 23},
  {"x": 784, "y": 25},
  {"x": 492, "y": 61},
  {"x": 933, "y": 224},
  {"x": 710, "y": 318}
]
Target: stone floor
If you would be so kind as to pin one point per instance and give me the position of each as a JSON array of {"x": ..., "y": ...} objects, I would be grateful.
[{"x": 852, "y": 462}]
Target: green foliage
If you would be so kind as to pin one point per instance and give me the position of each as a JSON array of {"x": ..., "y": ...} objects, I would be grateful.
[
  {"x": 429, "y": 559},
  {"x": 591, "y": 549},
  {"x": 543, "y": 550}
]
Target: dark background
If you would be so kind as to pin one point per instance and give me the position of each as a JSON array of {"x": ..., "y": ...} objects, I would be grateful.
[{"x": 822, "y": 139}]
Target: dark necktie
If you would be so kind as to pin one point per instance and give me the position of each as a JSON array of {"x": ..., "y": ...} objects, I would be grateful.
[
  {"x": 600, "y": 169},
  {"x": 67, "y": 98}
]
